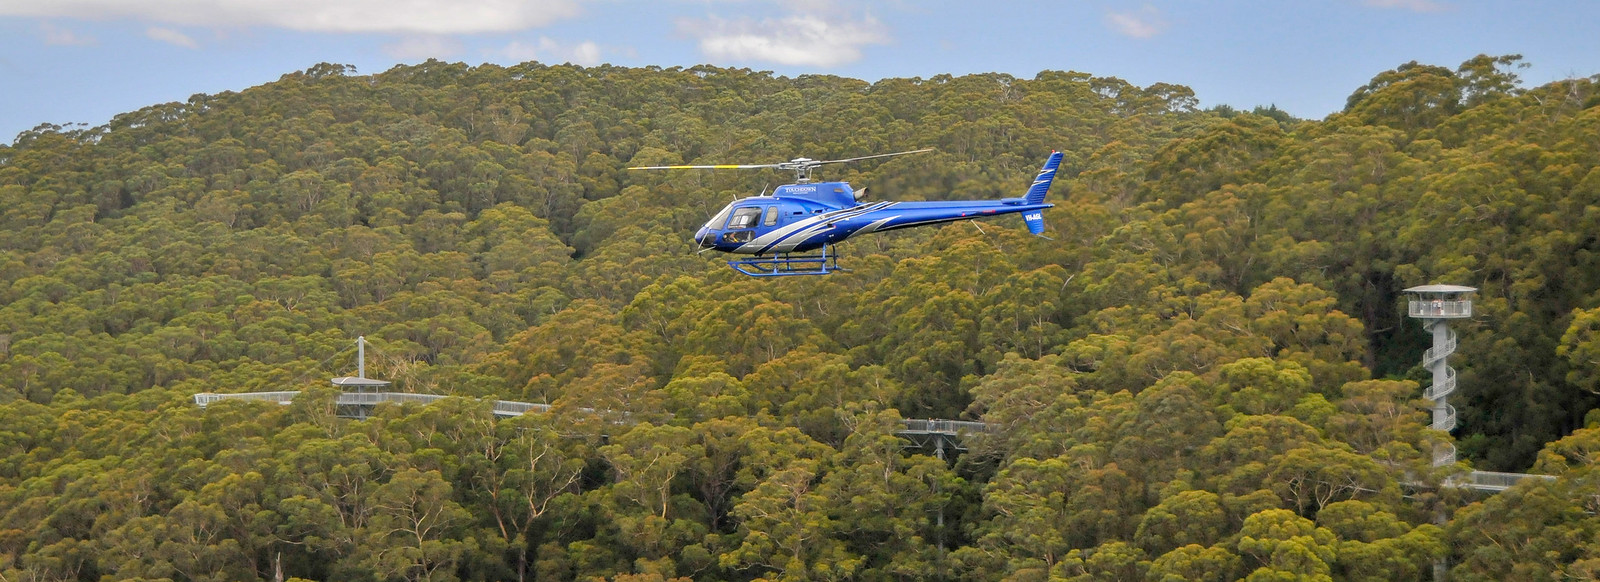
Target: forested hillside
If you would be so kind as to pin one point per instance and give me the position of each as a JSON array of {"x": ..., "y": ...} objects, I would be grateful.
[{"x": 1205, "y": 374}]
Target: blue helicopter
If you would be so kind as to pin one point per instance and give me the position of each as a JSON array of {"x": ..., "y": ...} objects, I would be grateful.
[{"x": 782, "y": 229}]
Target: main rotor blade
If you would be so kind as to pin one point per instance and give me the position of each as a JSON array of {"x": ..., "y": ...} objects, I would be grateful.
[
  {"x": 711, "y": 167},
  {"x": 874, "y": 156}
]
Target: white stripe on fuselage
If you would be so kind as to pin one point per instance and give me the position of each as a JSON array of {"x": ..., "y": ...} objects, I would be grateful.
[
  {"x": 942, "y": 219},
  {"x": 774, "y": 236},
  {"x": 876, "y": 225},
  {"x": 780, "y": 240},
  {"x": 803, "y": 237}
]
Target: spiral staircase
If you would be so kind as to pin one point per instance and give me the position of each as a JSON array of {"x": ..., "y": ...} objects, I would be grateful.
[
  {"x": 1436, "y": 305},
  {"x": 1444, "y": 383}
]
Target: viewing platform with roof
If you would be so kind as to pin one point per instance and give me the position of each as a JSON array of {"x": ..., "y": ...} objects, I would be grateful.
[
  {"x": 1436, "y": 305},
  {"x": 1440, "y": 301}
]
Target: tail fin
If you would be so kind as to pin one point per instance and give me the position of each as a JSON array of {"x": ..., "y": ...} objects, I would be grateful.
[
  {"x": 1035, "y": 222},
  {"x": 1041, "y": 183},
  {"x": 1041, "y": 186}
]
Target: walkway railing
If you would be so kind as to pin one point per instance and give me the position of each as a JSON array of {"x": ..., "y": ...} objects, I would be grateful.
[
  {"x": 927, "y": 432},
  {"x": 947, "y": 427},
  {"x": 504, "y": 408},
  {"x": 1496, "y": 482},
  {"x": 205, "y": 398},
  {"x": 925, "y": 426},
  {"x": 513, "y": 408}
]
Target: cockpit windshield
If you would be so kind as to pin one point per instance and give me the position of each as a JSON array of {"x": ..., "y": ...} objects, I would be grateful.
[{"x": 717, "y": 221}]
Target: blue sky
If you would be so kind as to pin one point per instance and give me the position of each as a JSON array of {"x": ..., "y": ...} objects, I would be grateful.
[{"x": 64, "y": 61}]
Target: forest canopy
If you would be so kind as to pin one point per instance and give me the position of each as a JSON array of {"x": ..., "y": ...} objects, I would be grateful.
[{"x": 1205, "y": 373}]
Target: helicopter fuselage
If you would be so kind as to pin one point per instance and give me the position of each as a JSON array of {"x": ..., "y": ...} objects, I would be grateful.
[{"x": 804, "y": 217}]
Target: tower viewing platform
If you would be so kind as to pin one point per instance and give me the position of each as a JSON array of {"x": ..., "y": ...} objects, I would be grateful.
[
  {"x": 1436, "y": 305},
  {"x": 1440, "y": 301}
]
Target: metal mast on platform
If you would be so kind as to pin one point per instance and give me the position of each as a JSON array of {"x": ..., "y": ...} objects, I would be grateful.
[
  {"x": 363, "y": 393},
  {"x": 1436, "y": 305},
  {"x": 360, "y": 382}
]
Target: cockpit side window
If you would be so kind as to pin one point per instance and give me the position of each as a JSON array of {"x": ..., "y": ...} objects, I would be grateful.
[
  {"x": 772, "y": 216},
  {"x": 744, "y": 218},
  {"x": 716, "y": 221}
]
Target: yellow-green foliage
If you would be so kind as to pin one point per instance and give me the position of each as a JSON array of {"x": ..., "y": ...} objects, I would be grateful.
[{"x": 1206, "y": 375}]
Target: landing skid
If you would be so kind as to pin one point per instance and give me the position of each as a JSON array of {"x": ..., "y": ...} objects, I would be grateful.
[{"x": 788, "y": 264}]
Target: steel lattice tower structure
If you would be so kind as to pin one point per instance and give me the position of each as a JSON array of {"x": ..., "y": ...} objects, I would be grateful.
[{"x": 1436, "y": 305}]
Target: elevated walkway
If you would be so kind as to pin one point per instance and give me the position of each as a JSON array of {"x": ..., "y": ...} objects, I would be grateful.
[
  {"x": 1494, "y": 482},
  {"x": 923, "y": 432},
  {"x": 351, "y": 402},
  {"x": 942, "y": 436}
]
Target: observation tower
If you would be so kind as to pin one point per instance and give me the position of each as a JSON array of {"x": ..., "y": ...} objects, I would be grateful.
[{"x": 1436, "y": 305}]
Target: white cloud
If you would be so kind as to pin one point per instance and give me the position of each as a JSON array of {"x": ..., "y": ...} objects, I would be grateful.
[
  {"x": 792, "y": 40},
  {"x": 416, "y": 48},
  {"x": 520, "y": 51},
  {"x": 404, "y": 16},
  {"x": 55, "y": 35},
  {"x": 1145, "y": 23},
  {"x": 171, "y": 37},
  {"x": 585, "y": 53},
  {"x": 1412, "y": 5}
]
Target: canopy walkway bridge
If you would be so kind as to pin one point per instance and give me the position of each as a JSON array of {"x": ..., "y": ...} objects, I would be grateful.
[
  {"x": 943, "y": 437},
  {"x": 363, "y": 395},
  {"x": 931, "y": 433}
]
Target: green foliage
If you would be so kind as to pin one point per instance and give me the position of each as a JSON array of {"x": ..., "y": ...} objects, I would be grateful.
[{"x": 1207, "y": 375}]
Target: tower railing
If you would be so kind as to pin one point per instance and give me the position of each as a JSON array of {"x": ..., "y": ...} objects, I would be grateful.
[
  {"x": 1452, "y": 309},
  {"x": 1447, "y": 422},
  {"x": 1444, "y": 378},
  {"x": 1444, "y": 453},
  {"x": 1435, "y": 354},
  {"x": 1444, "y": 387}
]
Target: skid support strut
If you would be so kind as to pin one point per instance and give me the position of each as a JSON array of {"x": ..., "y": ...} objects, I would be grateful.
[{"x": 790, "y": 264}]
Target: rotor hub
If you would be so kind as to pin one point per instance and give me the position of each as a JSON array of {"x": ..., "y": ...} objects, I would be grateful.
[{"x": 801, "y": 167}]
